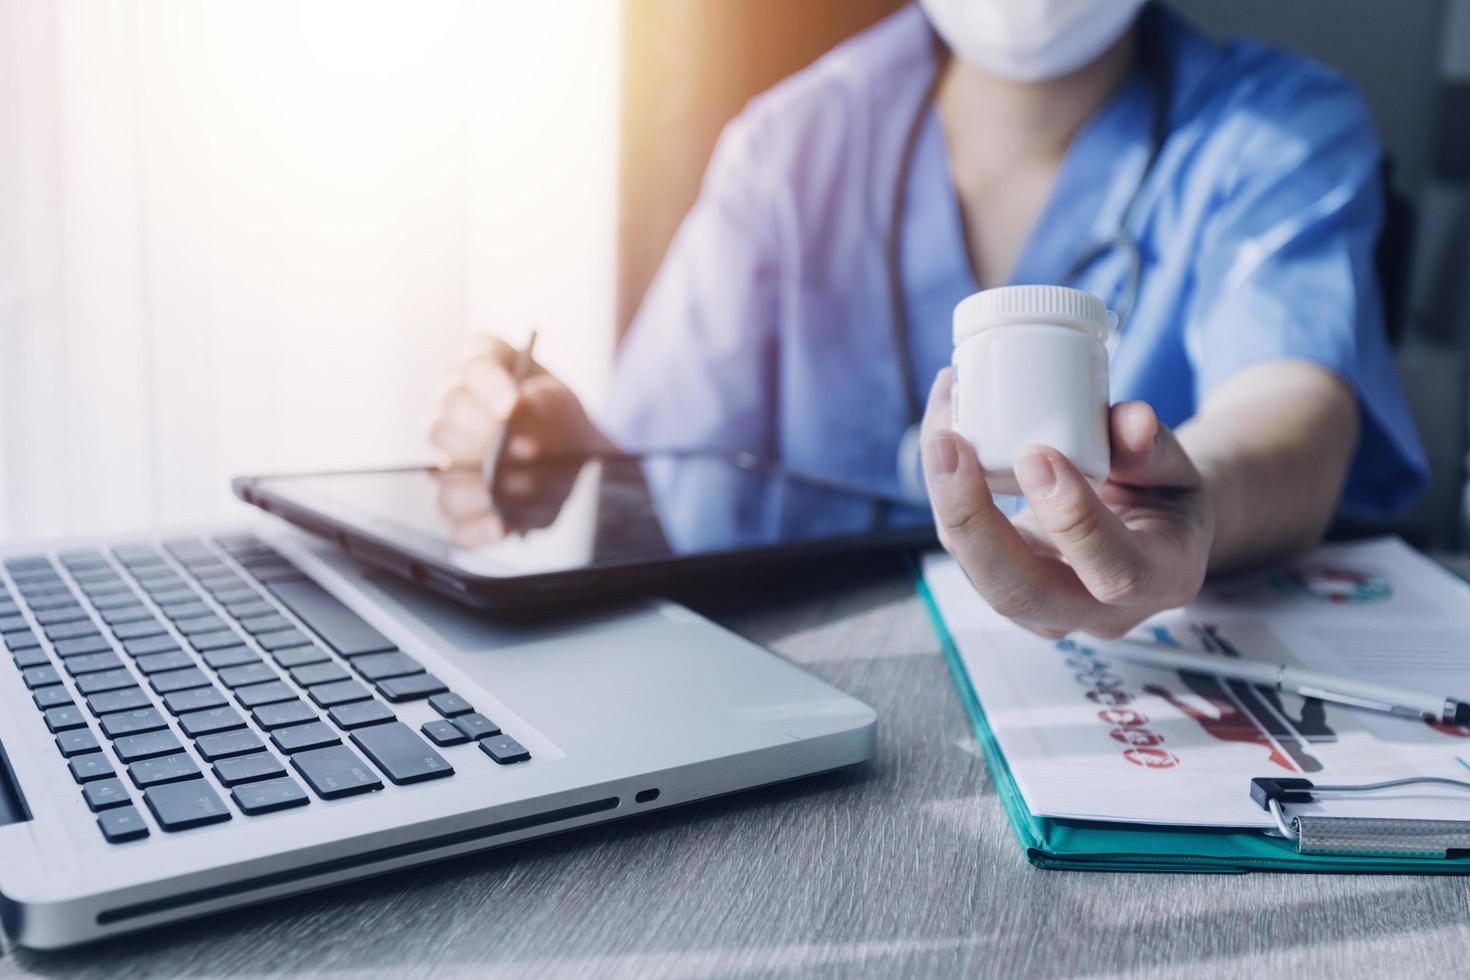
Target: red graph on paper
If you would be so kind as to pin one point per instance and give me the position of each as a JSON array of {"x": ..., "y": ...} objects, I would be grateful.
[{"x": 1247, "y": 713}]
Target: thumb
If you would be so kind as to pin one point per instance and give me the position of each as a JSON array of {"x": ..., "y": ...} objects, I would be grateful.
[{"x": 1147, "y": 453}]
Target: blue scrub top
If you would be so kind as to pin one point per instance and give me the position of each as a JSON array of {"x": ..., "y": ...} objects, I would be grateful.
[{"x": 768, "y": 327}]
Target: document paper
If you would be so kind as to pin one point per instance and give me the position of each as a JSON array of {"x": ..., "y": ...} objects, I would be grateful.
[{"x": 1091, "y": 736}]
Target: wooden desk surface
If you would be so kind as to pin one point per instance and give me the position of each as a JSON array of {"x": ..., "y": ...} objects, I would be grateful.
[{"x": 903, "y": 868}]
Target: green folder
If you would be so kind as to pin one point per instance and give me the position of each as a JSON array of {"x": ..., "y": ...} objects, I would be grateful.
[{"x": 1089, "y": 845}]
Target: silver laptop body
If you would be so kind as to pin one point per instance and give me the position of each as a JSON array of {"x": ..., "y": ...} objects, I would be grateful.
[{"x": 628, "y": 711}]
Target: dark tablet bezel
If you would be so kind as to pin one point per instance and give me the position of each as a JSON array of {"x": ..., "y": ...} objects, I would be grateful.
[{"x": 540, "y": 590}]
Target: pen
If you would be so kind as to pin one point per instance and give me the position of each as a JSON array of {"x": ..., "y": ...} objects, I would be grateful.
[
  {"x": 1295, "y": 680},
  {"x": 497, "y": 445}
]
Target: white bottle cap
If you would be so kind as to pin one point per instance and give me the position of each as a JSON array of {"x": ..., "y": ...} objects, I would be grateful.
[{"x": 1060, "y": 305}]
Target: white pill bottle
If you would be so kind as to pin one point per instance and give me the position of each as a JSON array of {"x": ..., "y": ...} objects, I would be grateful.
[{"x": 1031, "y": 366}]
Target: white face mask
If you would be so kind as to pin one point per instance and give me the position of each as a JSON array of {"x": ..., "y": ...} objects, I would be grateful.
[{"x": 1030, "y": 40}]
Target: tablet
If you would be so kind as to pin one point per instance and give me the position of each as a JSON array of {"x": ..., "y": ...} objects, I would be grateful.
[{"x": 573, "y": 529}]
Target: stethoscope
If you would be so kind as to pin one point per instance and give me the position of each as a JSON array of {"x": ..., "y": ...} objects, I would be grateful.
[{"x": 910, "y": 475}]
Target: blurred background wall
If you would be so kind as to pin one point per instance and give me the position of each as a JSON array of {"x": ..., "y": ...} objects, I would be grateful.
[{"x": 252, "y": 236}]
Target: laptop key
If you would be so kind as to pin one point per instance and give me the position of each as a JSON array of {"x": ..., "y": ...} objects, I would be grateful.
[
  {"x": 173, "y": 596},
  {"x": 42, "y": 676},
  {"x": 299, "y": 656},
  {"x": 229, "y": 657},
  {"x": 91, "y": 663},
  {"x": 150, "y": 745},
  {"x": 224, "y": 745},
  {"x": 106, "y": 588},
  {"x": 269, "y": 795},
  {"x": 359, "y": 714},
  {"x": 106, "y": 680},
  {"x": 382, "y": 666},
  {"x": 204, "y": 642},
  {"x": 450, "y": 704},
  {"x": 195, "y": 699},
  {"x": 166, "y": 769},
  {"x": 51, "y": 697},
  {"x": 61, "y": 614},
  {"x": 103, "y": 794},
  {"x": 64, "y": 718},
  {"x": 87, "y": 644},
  {"x": 54, "y": 600},
  {"x": 441, "y": 732},
  {"x": 178, "y": 680},
  {"x": 342, "y": 629},
  {"x": 257, "y": 694},
  {"x": 139, "y": 628},
  {"x": 210, "y": 720},
  {"x": 115, "y": 600},
  {"x": 248, "y": 768},
  {"x": 21, "y": 640},
  {"x": 256, "y": 673},
  {"x": 322, "y": 673},
  {"x": 475, "y": 725},
  {"x": 504, "y": 749},
  {"x": 136, "y": 722},
  {"x": 268, "y": 623},
  {"x": 42, "y": 587},
  {"x": 335, "y": 772},
  {"x": 243, "y": 603},
  {"x": 89, "y": 766},
  {"x": 185, "y": 805},
  {"x": 298, "y": 738},
  {"x": 411, "y": 688},
  {"x": 157, "y": 663},
  {"x": 152, "y": 644},
  {"x": 200, "y": 624},
  {"x": 77, "y": 741},
  {"x": 122, "y": 824},
  {"x": 135, "y": 613},
  {"x": 70, "y": 631},
  {"x": 9, "y": 624},
  {"x": 188, "y": 609},
  {"x": 124, "y": 699},
  {"x": 28, "y": 657},
  {"x": 340, "y": 692},
  {"x": 271, "y": 716},
  {"x": 401, "y": 754},
  {"x": 281, "y": 639}
]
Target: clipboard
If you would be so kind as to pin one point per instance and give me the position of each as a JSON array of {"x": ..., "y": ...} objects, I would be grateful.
[{"x": 1079, "y": 845}]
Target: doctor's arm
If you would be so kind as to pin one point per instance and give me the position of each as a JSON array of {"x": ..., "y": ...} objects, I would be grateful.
[{"x": 1253, "y": 476}]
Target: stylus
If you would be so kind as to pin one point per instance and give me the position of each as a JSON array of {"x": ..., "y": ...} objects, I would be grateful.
[
  {"x": 497, "y": 445},
  {"x": 1294, "y": 680}
]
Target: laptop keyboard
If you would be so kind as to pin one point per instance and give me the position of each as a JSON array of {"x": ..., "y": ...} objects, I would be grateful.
[{"x": 230, "y": 683}]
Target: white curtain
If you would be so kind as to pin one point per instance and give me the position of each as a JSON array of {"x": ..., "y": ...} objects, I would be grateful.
[{"x": 246, "y": 237}]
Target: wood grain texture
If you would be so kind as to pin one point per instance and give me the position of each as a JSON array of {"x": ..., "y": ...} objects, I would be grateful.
[{"x": 903, "y": 868}]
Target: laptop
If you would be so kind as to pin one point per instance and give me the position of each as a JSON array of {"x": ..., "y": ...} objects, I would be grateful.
[{"x": 199, "y": 722}]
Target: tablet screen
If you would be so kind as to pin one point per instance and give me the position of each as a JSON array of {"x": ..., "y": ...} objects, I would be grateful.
[{"x": 567, "y": 514}]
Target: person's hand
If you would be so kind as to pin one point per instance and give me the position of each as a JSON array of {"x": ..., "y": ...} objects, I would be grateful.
[
  {"x": 526, "y": 497},
  {"x": 1100, "y": 561},
  {"x": 543, "y": 416}
]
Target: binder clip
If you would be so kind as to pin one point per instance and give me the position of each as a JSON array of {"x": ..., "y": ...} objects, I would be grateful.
[{"x": 1375, "y": 836}]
